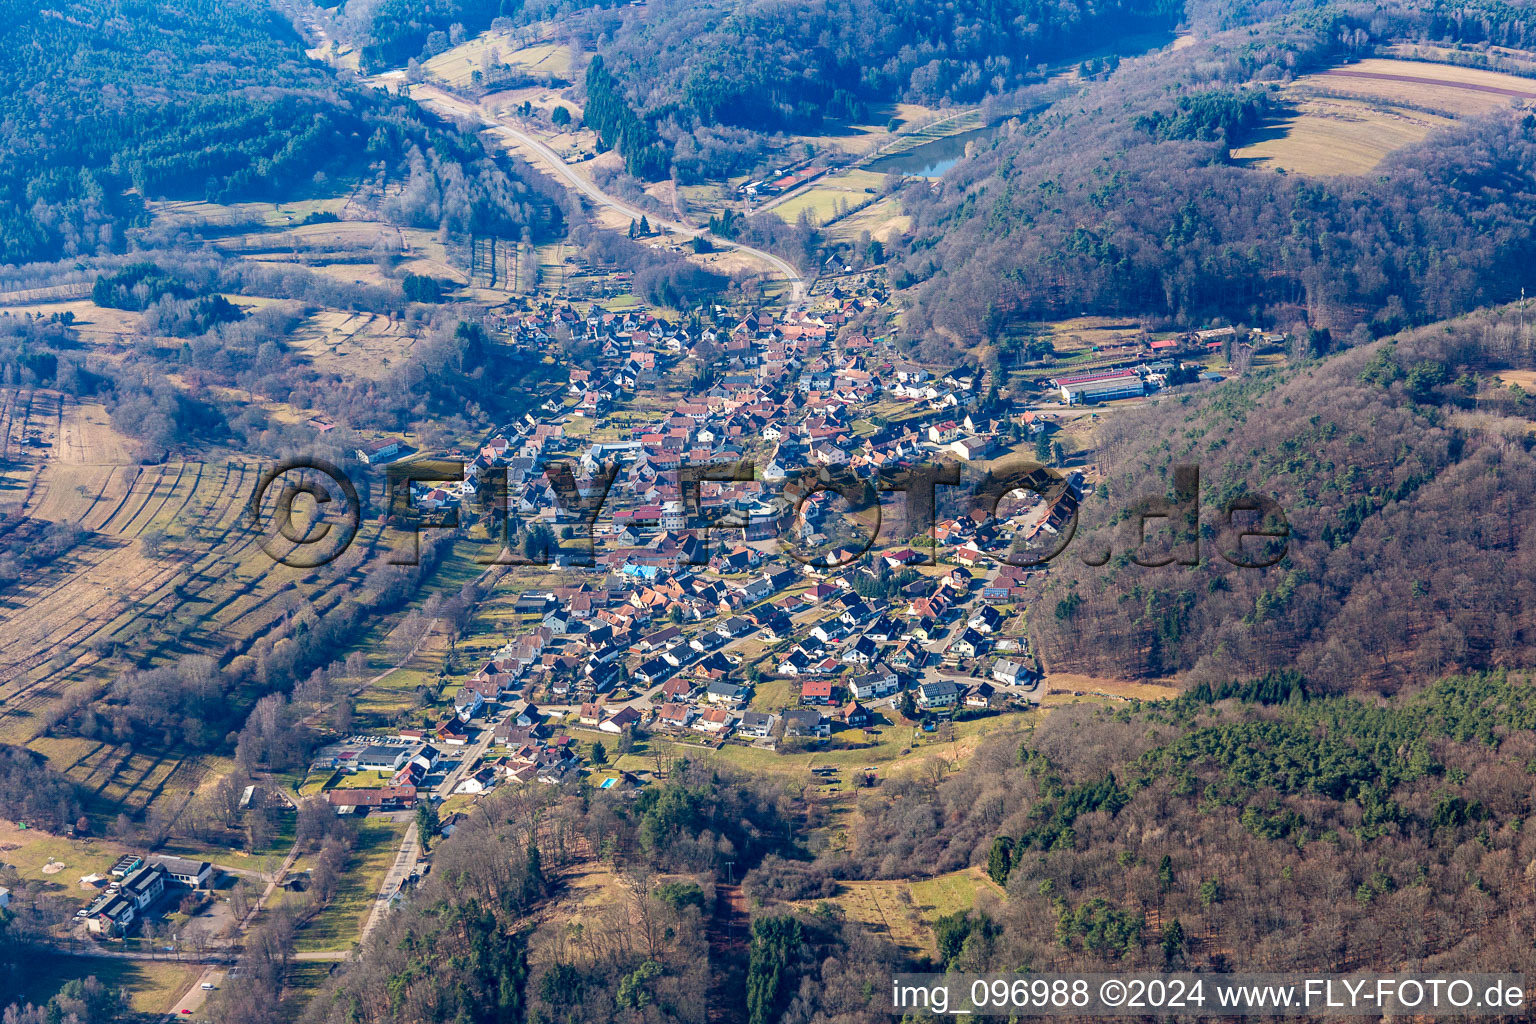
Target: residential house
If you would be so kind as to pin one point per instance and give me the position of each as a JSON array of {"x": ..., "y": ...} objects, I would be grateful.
[
  {"x": 625, "y": 717},
  {"x": 880, "y": 682},
  {"x": 468, "y": 703},
  {"x": 510, "y": 734},
  {"x": 796, "y": 663},
  {"x": 942, "y": 694},
  {"x": 675, "y": 716},
  {"x": 968, "y": 644},
  {"x": 714, "y": 721},
  {"x": 862, "y": 652},
  {"x": 972, "y": 448},
  {"x": 524, "y": 713},
  {"x": 979, "y": 695},
  {"x": 854, "y": 715},
  {"x": 734, "y": 627},
  {"x": 452, "y": 732},
  {"x": 722, "y": 692},
  {"x": 807, "y": 722},
  {"x": 758, "y": 724},
  {"x": 970, "y": 556},
  {"x": 908, "y": 655},
  {"x": 385, "y": 798},
  {"x": 652, "y": 672},
  {"x": 986, "y": 620},
  {"x": 1011, "y": 673},
  {"x": 816, "y": 691},
  {"x": 677, "y": 689},
  {"x": 478, "y": 782}
]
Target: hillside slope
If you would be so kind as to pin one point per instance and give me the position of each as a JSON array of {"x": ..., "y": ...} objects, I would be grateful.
[
  {"x": 1125, "y": 199},
  {"x": 1406, "y": 473}
]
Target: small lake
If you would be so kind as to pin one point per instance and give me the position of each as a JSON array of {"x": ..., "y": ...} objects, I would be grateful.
[{"x": 931, "y": 159}]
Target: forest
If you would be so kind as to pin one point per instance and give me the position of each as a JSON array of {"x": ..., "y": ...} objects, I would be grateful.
[
  {"x": 1404, "y": 472},
  {"x": 112, "y": 104},
  {"x": 1123, "y": 198},
  {"x": 402, "y": 29},
  {"x": 1237, "y": 835},
  {"x": 765, "y": 65},
  {"x": 472, "y": 944},
  {"x": 693, "y": 75}
]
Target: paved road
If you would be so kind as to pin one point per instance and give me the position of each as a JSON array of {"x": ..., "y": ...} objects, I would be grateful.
[
  {"x": 410, "y": 844},
  {"x": 195, "y": 996},
  {"x": 433, "y": 96},
  {"x": 405, "y": 862},
  {"x": 571, "y": 178}
]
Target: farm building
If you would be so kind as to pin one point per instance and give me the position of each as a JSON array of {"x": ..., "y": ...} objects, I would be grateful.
[{"x": 375, "y": 452}]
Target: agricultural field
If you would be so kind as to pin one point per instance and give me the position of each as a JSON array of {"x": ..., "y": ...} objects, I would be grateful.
[
  {"x": 898, "y": 747},
  {"x": 903, "y": 912},
  {"x": 903, "y": 126},
  {"x": 167, "y": 568},
  {"x": 1064, "y": 687},
  {"x": 1347, "y": 119},
  {"x": 831, "y": 201},
  {"x": 104, "y": 330},
  {"x": 457, "y": 66},
  {"x": 1500, "y": 58},
  {"x": 882, "y": 219},
  {"x": 1081, "y": 335},
  {"x": 153, "y": 985},
  {"x": 339, "y": 926},
  {"x": 832, "y": 197},
  {"x": 886, "y": 909},
  {"x": 354, "y": 344},
  {"x": 348, "y": 250},
  {"x": 949, "y": 894},
  {"x": 193, "y": 214}
]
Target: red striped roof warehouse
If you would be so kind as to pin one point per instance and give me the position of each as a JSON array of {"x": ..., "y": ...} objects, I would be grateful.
[{"x": 1089, "y": 378}]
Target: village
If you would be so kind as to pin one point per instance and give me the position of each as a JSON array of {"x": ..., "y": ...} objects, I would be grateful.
[
  {"x": 683, "y": 587},
  {"x": 750, "y": 611}
]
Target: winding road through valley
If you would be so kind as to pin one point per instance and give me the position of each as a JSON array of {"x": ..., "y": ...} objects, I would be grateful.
[{"x": 445, "y": 102}]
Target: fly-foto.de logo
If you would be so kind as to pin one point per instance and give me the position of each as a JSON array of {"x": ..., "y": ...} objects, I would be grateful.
[{"x": 1027, "y": 514}]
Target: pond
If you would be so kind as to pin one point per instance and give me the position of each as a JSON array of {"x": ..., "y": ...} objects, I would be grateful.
[{"x": 931, "y": 159}]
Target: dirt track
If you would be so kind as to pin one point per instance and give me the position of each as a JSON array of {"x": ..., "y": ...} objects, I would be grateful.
[
  {"x": 1412, "y": 80},
  {"x": 729, "y": 929}
]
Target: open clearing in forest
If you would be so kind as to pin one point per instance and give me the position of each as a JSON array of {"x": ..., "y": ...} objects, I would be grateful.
[
  {"x": 354, "y": 344},
  {"x": 904, "y": 911},
  {"x": 457, "y": 66},
  {"x": 1345, "y": 120},
  {"x": 835, "y": 194},
  {"x": 153, "y": 985}
]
